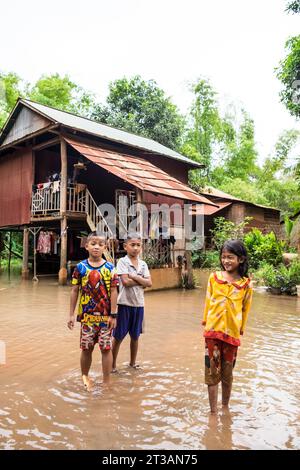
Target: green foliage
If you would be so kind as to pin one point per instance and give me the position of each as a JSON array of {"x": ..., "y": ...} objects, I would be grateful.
[
  {"x": 270, "y": 276},
  {"x": 288, "y": 225},
  {"x": 293, "y": 6},
  {"x": 226, "y": 230},
  {"x": 141, "y": 107},
  {"x": 206, "y": 259},
  {"x": 264, "y": 248},
  {"x": 288, "y": 73},
  {"x": 153, "y": 262},
  {"x": 204, "y": 126},
  {"x": 240, "y": 150},
  {"x": 62, "y": 93},
  {"x": 282, "y": 277},
  {"x": 10, "y": 89}
]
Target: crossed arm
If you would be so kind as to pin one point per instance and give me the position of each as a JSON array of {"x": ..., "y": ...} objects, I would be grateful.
[{"x": 130, "y": 280}]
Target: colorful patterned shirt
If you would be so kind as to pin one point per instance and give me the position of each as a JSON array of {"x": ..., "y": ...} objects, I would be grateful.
[
  {"x": 226, "y": 309},
  {"x": 95, "y": 291}
]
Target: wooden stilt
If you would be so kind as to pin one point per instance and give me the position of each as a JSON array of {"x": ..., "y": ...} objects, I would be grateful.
[
  {"x": 9, "y": 254},
  {"x": 62, "y": 275},
  {"x": 190, "y": 278},
  {"x": 25, "y": 270}
]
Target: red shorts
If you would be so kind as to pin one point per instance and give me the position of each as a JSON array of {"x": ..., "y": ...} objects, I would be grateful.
[
  {"x": 220, "y": 360},
  {"x": 95, "y": 334}
]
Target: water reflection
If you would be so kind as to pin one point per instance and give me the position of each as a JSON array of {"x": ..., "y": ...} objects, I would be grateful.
[{"x": 162, "y": 406}]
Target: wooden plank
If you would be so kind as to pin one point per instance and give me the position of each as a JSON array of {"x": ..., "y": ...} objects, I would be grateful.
[
  {"x": 26, "y": 123},
  {"x": 49, "y": 143}
]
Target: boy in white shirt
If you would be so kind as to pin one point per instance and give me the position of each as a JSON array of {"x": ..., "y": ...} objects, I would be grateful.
[{"x": 134, "y": 277}]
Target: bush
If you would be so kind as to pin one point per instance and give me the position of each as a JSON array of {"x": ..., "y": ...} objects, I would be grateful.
[
  {"x": 280, "y": 277},
  {"x": 263, "y": 248},
  {"x": 226, "y": 230},
  {"x": 206, "y": 259}
]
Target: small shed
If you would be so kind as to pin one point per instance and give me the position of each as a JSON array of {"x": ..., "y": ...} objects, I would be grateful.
[{"x": 264, "y": 218}]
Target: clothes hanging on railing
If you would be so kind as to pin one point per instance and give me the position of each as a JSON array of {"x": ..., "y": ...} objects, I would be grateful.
[{"x": 56, "y": 186}]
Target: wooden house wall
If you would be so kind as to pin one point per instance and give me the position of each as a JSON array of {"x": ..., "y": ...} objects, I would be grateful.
[{"x": 15, "y": 187}]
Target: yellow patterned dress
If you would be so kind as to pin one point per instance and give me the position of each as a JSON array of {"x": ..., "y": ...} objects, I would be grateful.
[{"x": 227, "y": 305}]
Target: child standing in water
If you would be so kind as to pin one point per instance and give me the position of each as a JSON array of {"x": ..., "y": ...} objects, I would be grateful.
[
  {"x": 227, "y": 305},
  {"x": 97, "y": 281},
  {"x": 134, "y": 277}
]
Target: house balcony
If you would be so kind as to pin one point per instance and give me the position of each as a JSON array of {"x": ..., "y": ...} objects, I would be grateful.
[{"x": 45, "y": 201}]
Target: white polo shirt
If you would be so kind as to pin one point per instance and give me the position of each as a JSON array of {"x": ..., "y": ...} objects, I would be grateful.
[{"x": 131, "y": 296}]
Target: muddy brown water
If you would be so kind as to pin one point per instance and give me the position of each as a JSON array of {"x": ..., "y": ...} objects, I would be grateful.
[{"x": 162, "y": 406}]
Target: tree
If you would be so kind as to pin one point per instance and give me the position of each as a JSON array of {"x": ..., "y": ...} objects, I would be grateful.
[
  {"x": 293, "y": 6},
  {"x": 141, "y": 107},
  {"x": 10, "y": 89},
  {"x": 60, "y": 92},
  {"x": 278, "y": 165},
  {"x": 239, "y": 148},
  {"x": 289, "y": 74},
  {"x": 204, "y": 124}
]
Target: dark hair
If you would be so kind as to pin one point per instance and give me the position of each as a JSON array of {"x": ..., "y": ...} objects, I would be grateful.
[
  {"x": 238, "y": 248},
  {"x": 96, "y": 234},
  {"x": 132, "y": 236}
]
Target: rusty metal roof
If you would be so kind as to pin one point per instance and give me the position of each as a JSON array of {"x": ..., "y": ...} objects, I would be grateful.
[
  {"x": 138, "y": 172},
  {"x": 96, "y": 129},
  {"x": 217, "y": 193}
]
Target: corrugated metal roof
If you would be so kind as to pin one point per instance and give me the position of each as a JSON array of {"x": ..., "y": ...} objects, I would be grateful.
[
  {"x": 209, "y": 210},
  {"x": 101, "y": 130},
  {"x": 138, "y": 172}
]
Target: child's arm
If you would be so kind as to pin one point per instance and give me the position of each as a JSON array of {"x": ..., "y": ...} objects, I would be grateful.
[
  {"x": 207, "y": 300},
  {"x": 142, "y": 281},
  {"x": 113, "y": 307},
  {"x": 127, "y": 281},
  {"x": 73, "y": 302},
  {"x": 247, "y": 301}
]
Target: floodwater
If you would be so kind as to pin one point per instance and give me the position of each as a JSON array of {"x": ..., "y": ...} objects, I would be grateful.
[{"x": 162, "y": 406}]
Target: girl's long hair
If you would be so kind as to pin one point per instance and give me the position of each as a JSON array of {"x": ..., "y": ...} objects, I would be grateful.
[{"x": 238, "y": 248}]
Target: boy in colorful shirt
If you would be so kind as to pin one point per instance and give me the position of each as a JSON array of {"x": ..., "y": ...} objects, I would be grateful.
[{"x": 97, "y": 281}]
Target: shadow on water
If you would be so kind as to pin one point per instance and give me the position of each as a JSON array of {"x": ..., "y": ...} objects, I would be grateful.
[{"x": 162, "y": 406}]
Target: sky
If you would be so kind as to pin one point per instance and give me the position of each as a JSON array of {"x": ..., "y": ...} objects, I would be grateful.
[{"x": 235, "y": 43}]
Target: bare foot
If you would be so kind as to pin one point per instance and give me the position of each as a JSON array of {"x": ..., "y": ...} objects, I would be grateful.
[
  {"x": 87, "y": 382},
  {"x": 135, "y": 366}
]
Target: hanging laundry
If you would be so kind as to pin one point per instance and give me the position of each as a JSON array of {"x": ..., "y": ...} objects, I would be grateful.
[
  {"x": 44, "y": 243},
  {"x": 56, "y": 186}
]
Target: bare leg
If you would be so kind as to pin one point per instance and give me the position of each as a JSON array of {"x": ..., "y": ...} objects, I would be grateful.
[
  {"x": 213, "y": 397},
  {"x": 106, "y": 365},
  {"x": 115, "y": 351},
  {"x": 85, "y": 363},
  {"x": 134, "y": 344},
  {"x": 226, "y": 392}
]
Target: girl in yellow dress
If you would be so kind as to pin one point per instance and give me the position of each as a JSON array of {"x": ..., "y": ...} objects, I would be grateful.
[{"x": 227, "y": 304}]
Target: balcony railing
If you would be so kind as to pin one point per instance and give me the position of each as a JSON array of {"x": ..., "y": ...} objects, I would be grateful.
[{"x": 46, "y": 199}]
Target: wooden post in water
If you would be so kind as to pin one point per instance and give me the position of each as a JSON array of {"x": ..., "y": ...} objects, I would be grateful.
[
  {"x": 139, "y": 200},
  {"x": 189, "y": 266},
  {"x": 25, "y": 270},
  {"x": 62, "y": 275},
  {"x": 9, "y": 254}
]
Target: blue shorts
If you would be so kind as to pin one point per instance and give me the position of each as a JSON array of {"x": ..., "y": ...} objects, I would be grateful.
[{"x": 130, "y": 320}]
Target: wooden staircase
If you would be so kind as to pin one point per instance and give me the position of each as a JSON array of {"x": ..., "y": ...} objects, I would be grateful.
[{"x": 97, "y": 222}]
